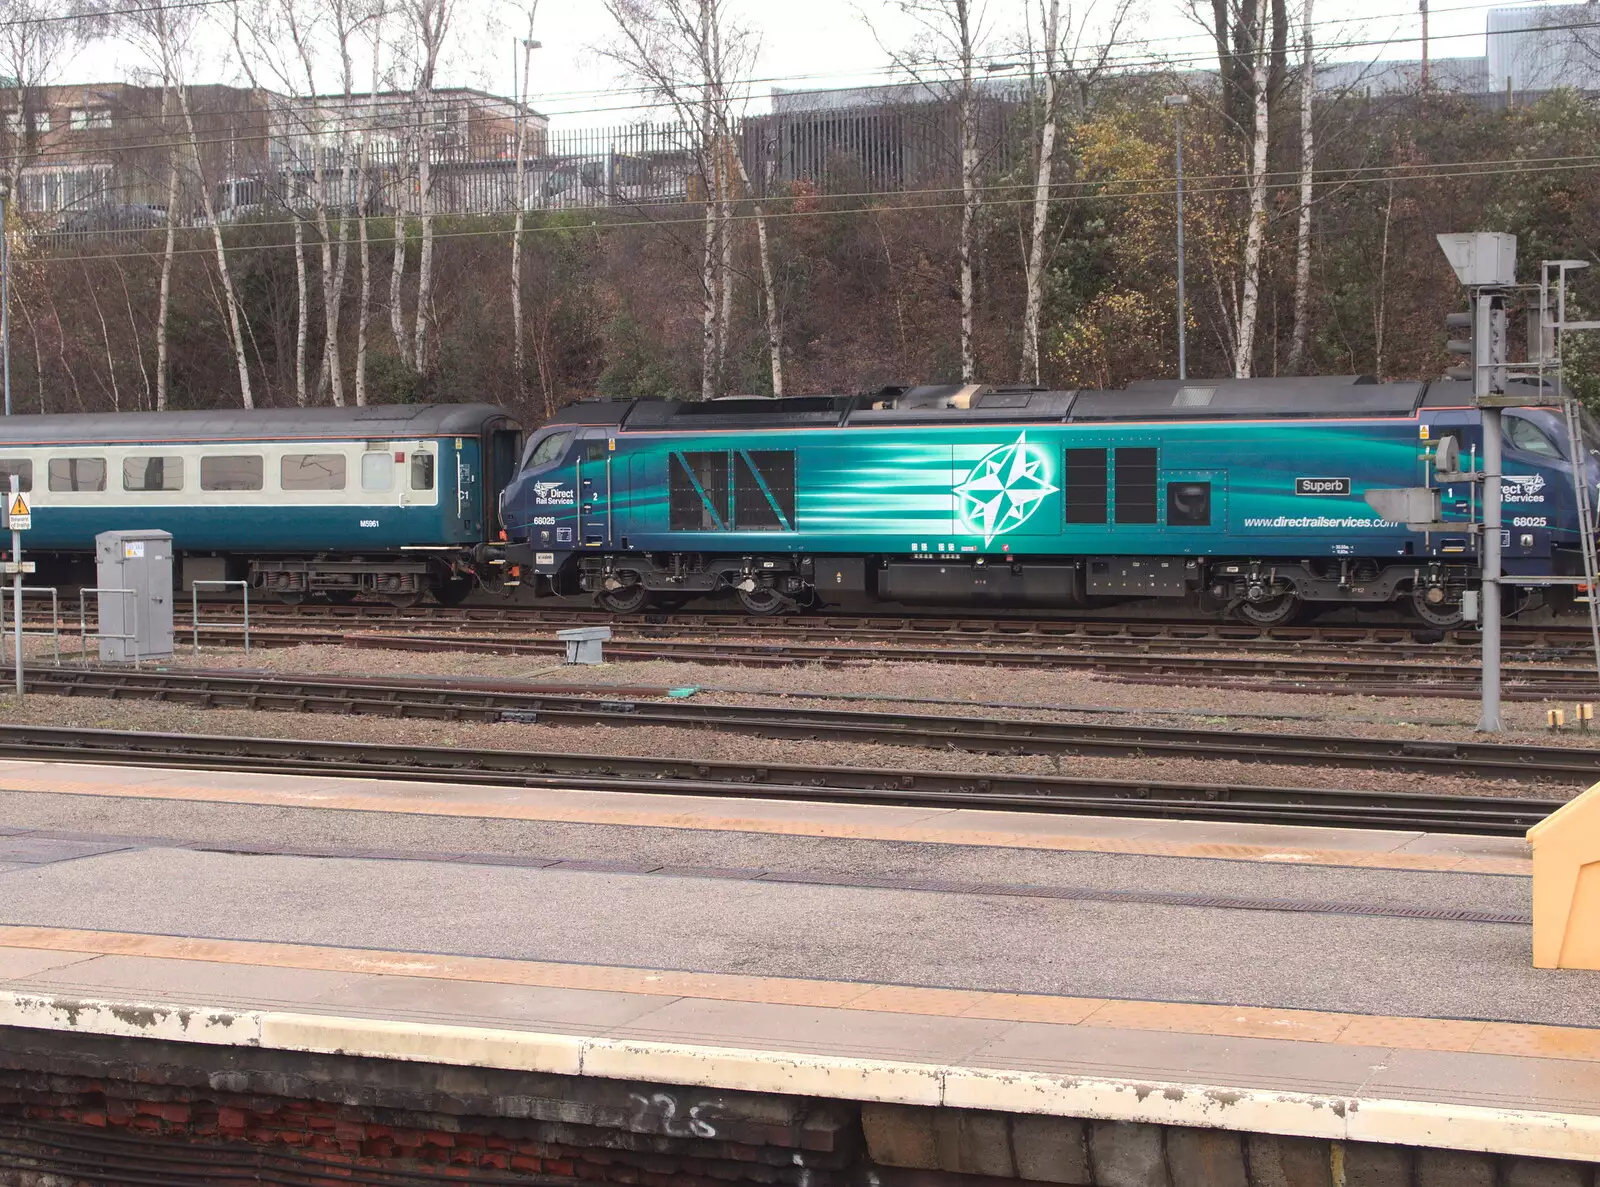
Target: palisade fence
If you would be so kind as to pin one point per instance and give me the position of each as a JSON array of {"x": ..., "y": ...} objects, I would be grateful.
[{"x": 882, "y": 149}]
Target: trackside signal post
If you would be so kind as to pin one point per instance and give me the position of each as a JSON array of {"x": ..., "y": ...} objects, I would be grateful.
[{"x": 1486, "y": 264}]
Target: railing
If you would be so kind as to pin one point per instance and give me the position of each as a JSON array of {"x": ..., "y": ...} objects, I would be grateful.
[
  {"x": 55, "y": 615},
  {"x": 194, "y": 609},
  {"x": 130, "y": 637}
]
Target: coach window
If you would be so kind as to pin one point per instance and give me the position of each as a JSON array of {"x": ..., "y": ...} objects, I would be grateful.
[
  {"x": 22, "y": 468},
  {"x": 152, "y": 473},
  {"x": 311, "y": 471},
  {"x": 1188, "y": 504},
  {"x": 232, "y": 471},
  {"x": 377, "y": 471},
  {"x": 1529, "y": 438},
  {"x": 77, "y": 473},
  {"x": 421, "y": 470}
]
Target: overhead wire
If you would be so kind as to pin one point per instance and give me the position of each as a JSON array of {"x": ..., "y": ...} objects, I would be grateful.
[{"x": 1380, "y": 175}]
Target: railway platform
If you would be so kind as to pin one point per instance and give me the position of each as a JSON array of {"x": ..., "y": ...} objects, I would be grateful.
[{"x": 331, "y": 972}]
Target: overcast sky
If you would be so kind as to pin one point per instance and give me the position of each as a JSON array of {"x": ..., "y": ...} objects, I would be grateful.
[{"x": 826, "y": 43}]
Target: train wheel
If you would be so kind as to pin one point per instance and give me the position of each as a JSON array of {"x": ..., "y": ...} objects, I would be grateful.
[
  {"x": 627, "y": 599},
  {"x": 404, "y": 601},
  {"x": 1271, "y": 612},
  {"x": 289, "y": 599},
  {"x": 1444, "y": 612},
  {"x": 452, "y": 592},
  {"x": 762, "y": 600}
]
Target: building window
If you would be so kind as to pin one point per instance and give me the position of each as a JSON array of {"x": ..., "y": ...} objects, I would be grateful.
[
  {"x": 41, "y": 122},
  {"x": 77, "y": 473},
  {"x": 14, "y": 122},
  {"x": 231, "y": 471},
  {"x": 312, "y": 471},
  {"x": 81, "y": 119},
  {"x": 152, "y": 473}
]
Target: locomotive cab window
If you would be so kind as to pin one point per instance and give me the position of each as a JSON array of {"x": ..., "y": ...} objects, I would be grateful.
[
  {"x": 77, "y": 473},
  {"x": 232, "y": 471},
  {"x": 421, "y": 470},
  {"x": 312, "y": 471},
  {"x": 1189, "y": 504},
  {"x": 1523, "y": 434},
  {"x": 152, "y": 473},
  {"x": 548, "y": 450},
  {"x": 22, "y": 467},
  {"x": 377, "y": 471}
]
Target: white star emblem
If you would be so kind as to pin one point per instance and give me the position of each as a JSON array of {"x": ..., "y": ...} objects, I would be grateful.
[{"x": 1005, "y": 488}]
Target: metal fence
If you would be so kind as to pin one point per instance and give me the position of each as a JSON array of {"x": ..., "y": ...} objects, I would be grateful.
[{"x": 884, "y": 149}]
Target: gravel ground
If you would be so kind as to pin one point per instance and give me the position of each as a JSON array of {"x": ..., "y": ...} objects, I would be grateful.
[
  {"x": 997, "y": 692},
  {"x": 667, "y": 742}
]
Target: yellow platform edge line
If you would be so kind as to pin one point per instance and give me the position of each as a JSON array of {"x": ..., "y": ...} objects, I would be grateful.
[
  {"x": 1520, "y": 1132},
  {"x": 1249, "y": 1022}
]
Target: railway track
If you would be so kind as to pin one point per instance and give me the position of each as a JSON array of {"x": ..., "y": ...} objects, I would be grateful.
[
  {"x": 486, "y": 702},
  {"x": 1482, "y": 815},
  {"x": 373, "y": 616}
]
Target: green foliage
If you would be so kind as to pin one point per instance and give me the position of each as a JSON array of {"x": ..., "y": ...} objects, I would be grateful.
[{"x": 637, "y": 365}]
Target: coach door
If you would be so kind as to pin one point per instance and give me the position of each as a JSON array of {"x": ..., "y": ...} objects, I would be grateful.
[{"x": 594, "y": 475}]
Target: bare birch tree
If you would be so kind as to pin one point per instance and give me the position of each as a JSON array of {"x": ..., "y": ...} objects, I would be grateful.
[
  {"x": 684, "y": 51},
  {"x": 945, "y": 61},
  {"x": 1302, "y": 238},
  {"x": 1256, "y": 221},
  {"x": 164, "y": 298},
  {"x": 519, "y": 198},
  {"x": 375, "y": 20},
  {"x": 35, "y": 40},
  {"x": 1062, "y": 89},
  {"x": 164, "y": 30},
  {"x": 427, "y": 25}
]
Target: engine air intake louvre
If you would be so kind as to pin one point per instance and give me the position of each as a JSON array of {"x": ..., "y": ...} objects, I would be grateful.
[
  {"x": 1136, "y": 485},
  {"x": 1086, "y": 486}
]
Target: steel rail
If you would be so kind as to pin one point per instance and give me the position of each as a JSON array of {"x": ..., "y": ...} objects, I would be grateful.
[
  {"x": 1549, "y": 636},
  {"x": 986, "y": 735},
  {"x": 1483, "y": 815},
  {"x": 781, "y": 654}
]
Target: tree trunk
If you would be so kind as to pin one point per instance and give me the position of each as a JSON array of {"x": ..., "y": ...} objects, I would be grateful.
[
  {"x": 710, "y": 333},
  {"x": 234, "y": 318},
  {"x": 769, "y": 289},
  {"x": 425, "y": 255},
  {"x": 364, "y": 307},
  {"x": 969, "y": 191},
  {"x": 519, "y": 363},
  {"x": 332, "y": 286},
  {"x": 1256, "y": 229},
  {"x": 1034, "y": 304},
  {"x": 302, "y": 313},
  {"x": 397, "y": 311},
  {"x": 1302, "y": 243},
  {"x": 164, "y": 300}
]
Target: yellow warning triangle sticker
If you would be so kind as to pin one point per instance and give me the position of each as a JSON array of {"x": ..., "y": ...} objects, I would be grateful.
[{"x": 19, "y": 506}]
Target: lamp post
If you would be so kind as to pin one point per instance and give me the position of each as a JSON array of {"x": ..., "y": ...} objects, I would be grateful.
[{"x": 1178, "y": 103}]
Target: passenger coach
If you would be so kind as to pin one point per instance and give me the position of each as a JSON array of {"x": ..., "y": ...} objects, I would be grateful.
[{"x": 393, "y": 500}]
